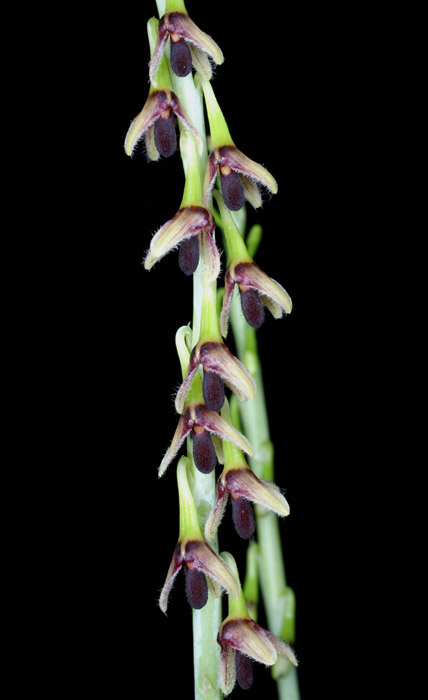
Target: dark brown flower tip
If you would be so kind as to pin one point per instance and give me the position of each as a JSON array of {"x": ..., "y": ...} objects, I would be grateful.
[
  {"x": 165, "y": 134},
  {"x": 243, "y": 518},
  {"x": 204, "y": 452},
  {"x": 244, "y": 670},
  {"x": 231, "y": 189},
  {"x": 213, "y": 390},
  {"x": 252, "y": 307},
  {"x": 181, "y": 59},
  {"x": 196, "y": 588},
  {"x": 188, "y": 255}
]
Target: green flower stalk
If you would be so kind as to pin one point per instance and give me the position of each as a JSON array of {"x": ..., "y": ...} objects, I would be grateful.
[{"x": 251, "y": 582}]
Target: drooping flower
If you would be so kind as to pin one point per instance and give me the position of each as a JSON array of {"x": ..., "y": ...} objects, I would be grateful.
[
  {"x": 218, "y": 363},
  {"x": 190, "y": 46},
  {"x": 203, "y": 426},
  {"x": 202, "y": 566},
  {"x": 238, "y": 484},
  {"x": 256, "y": 288},
  {"x": 242, "y": 641},
  {"x": 240, "y": 177},
  {"x": 192, "y": 219},
  {"x": 186, "y": 224},
  {"x": 156, "y": 121},
  {"x": 198, "y": 422}
]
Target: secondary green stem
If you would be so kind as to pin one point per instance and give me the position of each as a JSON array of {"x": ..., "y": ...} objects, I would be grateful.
[{"x": 256, "y": 428}]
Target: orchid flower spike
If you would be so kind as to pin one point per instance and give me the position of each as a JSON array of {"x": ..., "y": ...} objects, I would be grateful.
[
  {"x": 256, "y": 288},
  {"x": 202, "y": 566},
  {"x": 156, "y": 121},
  {"x": 189, "y": 45},
  {"x": 192, "y": 218},
  {"x": 239, "y": 484},
  {"x": 218, "y": 363},
  {"x": 243, "y": 641},
  {"x": 240, "y": 177}
]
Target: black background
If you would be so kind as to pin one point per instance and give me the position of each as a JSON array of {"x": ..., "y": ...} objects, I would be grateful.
[{"x": 283, "y": 93}]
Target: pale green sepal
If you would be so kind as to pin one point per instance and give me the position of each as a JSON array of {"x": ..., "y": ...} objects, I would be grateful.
[
  {"x": 235, "y": 244},
  {"x": 227, "y": 670},
  {"x": 237, "y": 606},
  {"x": 189, "y": 523},
  {"x": 162, "y": 78},
  {"x": 183, "y": 340},
  {"x": 254, "y": 238},
  {"x": 192, "y": 194},
  {"x": 209, "y": 330},
  {"x": 219, "y": 131},
  {"x": 288, "y": 602},
  {"x": 233, "y": 456},
  {"x": 175, "y": 6},
  {"x": 251, "y": 581}
]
